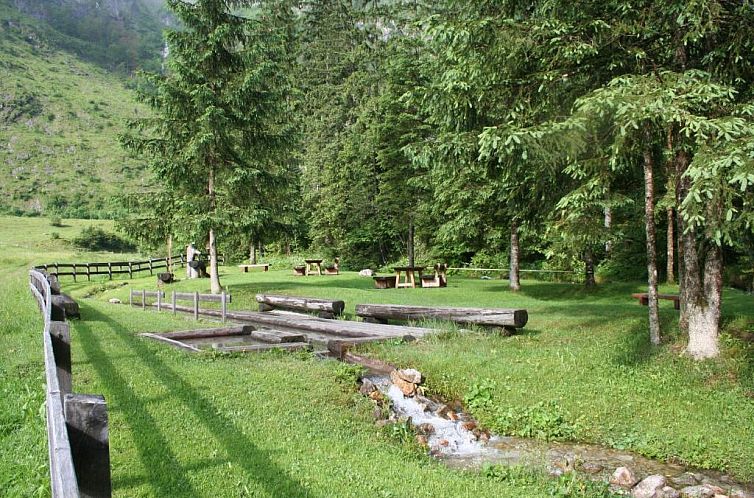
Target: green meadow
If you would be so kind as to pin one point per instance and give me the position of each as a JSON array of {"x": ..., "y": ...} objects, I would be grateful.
[{"x": 292, "y": 425}]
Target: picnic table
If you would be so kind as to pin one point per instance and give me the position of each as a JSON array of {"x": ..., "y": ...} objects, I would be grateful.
[
  {"x": 313, "y": 265},
  {"x": 409, "y": 275}
]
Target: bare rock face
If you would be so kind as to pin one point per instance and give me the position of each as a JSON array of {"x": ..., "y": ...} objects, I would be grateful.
[
  {"x": 407, "y": 388},
  {"x": 702, "y": 491},
  {"x": 624, "y": 478},
  {"x": 650, "y": 487}
]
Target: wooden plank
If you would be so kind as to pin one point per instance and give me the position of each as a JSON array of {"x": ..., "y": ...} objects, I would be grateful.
[
  {"x": 261, "y": 348},
  {"x": 86, "y": 420},
  {"x": 189, "y": 296},
  {"x": 481, "y": 316},
  {"x": 60, "y": 336},
  {"x": 295, "y": 303},
  {"x": 172, "y": 342},
  {"x": 276, "y": 336},
  {"x": 213, "y": 332}
]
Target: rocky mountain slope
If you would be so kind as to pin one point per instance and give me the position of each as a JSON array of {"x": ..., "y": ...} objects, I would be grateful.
[{"x": 59, "y": 121}]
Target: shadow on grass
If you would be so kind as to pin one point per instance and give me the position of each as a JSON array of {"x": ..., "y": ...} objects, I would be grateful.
[{"x": 166, "y": 475}]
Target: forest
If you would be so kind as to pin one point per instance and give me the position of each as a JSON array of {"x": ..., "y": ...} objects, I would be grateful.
[{"x": 614, "y": 138}]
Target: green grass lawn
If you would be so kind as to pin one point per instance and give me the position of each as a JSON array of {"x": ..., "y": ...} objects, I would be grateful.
[{"x": 290, "y": 425}]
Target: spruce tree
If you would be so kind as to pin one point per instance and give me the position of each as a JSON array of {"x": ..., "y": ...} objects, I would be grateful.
[{"x": 219, "y": 130}]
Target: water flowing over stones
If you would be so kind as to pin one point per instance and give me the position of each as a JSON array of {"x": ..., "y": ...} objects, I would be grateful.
[{"x": 448, "y": 433}]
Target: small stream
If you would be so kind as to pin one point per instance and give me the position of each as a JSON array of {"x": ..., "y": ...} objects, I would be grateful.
[{"x": 453, "y": 437}]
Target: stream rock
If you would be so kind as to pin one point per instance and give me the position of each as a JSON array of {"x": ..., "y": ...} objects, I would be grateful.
[
  {"x": 702, "y": 491},
  {"x": 668, "y": 492},
  {"x": 624, "y": 478},
  {"x": 740, "y": 493},
  {"x": 684, "y": 480},
  {"x": 650, "y": 487},
  {"x": 407, "y": 388},
  {"x": 367, "y": 387},
  {"x": 410, "y": 375}
]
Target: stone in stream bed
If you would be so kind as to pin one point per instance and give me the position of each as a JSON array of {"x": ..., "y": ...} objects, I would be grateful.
[
  {"x": 591, "y": 467},
  {"x": 740, "y": 493},
  {"x": 684, "y": 480},
  {"x": 624, "y": 478},
  {"x": 410, "y": 375},
  {"x": 425, "y": 428},
  {"x": 407, "y": 388},
  {"x": 650, "y": 487},
  {"x": 702, "y": 491}
]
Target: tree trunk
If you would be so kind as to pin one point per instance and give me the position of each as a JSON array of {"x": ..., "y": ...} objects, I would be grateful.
[
  {"x": 589, "y": 280},
  {"x": 515, "y": 281},
  {"x": 608, "y": 225},
  {"x": 649, "y": 222},
  {"x": 253, "y": 252},
  {"x": 701, "y": 280},
  {"x": 671, "y": 244},
  {"x": 214, "y": 277},
  {"x": 410, "y": 244},
  {"x": 169, "y": 261}
]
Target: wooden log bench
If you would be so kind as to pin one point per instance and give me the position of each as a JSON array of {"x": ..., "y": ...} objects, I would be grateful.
[
  {"x": 334, "y": 268},
  {"x": 384, "y": 282},
  {"x": 299, "y": 271},
  {"x": 324, "y": 308},
  {"x": 263, "y": 266},
  {"x": 497, "y": 317},
  {"x": 643, "y": 298},
  {"x": 436, "y": 279}
]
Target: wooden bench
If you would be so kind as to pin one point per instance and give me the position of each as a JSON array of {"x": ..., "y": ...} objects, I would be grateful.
[
  {"x": 384, "y": 282},
  {"x": 324, "y": 308},
  {"x": 643, "y": 298},
  {"x": 438, "y": 279},
  {"x": 334, "y": 268},
  {"x": 299, "y": 271},
  {"x": 263, "y": 266},
  {"x": 498, "y": 317}
]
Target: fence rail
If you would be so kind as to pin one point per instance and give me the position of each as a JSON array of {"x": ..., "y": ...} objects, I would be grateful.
[
  {"x": 77, "y": 427},
  {"x": 139, "y": 298},
  {"x": 114, "y": 267}
]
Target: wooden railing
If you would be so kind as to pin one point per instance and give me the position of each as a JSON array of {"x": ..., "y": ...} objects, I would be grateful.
[
  {"x": 114, "y": 267},
  {"x": 139, "y": 297},
  {"x": 77, "y": 427}
]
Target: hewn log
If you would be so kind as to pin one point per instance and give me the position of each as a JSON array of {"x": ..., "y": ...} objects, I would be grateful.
[
  {"x": 60, "y": 335},
  {"x": 481, "y": 316},
  {"x": 86, "y": 419},
  {"x": 63, "y": 303},
  {"x": 294, "y": 303},
  {"x": 204, "y": 333}
]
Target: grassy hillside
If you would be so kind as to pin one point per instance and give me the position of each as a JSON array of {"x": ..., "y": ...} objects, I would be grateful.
[{"x": 59, "y": 121}]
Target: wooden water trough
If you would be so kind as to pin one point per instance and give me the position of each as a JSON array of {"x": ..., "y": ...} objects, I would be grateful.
[{"x": 239, "y": 338}]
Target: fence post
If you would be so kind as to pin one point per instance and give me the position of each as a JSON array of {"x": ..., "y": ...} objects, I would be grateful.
[
  {"x": 86, "y": 419},
  {"x": 130, "y": 271},
  {"x": 159, "y": 300},
  {"x": 110, "y": 270},
  {"x": 60, "y": 333},
  {"x": 224, "y": 305},
  {"x": 196, "y": 305},
  {"x": 88, "y": 273},
  {"x": 150, "y": 266},
  {"x": 174, "y": 302},
  {"x": 143, "y": 299},
  {"x": 74, "y": 272}
]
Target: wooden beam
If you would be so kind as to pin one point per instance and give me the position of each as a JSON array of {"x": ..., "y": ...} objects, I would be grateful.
[
  {"x": 86, "y": 420},
  {"x": 172, "y": 342},
  {"x": 481, "y": 316},
  {"x": 295, "y": 303},
  {"x": 204, "y": 333},
  {"x": 288, "y": 346}
]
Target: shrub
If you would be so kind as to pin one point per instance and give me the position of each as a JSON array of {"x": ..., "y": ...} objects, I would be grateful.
[
  {"x": 55, "y": 235},
  {"x": 55, "y": 221},
  {"x": 96, "y": 239}
]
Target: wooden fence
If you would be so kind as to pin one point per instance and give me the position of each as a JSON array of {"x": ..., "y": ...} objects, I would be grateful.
[
  {"x": 194, "y": 297},
  {"x": 114, "y": 268},
  {"x": 77, "y": 425}
]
